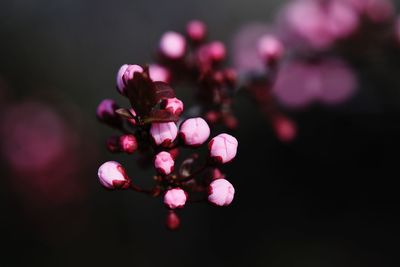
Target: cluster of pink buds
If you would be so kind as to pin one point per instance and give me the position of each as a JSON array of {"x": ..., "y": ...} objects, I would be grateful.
[
  {"x": 154, "y": 132},
  {"x": 191, "y": 59}
]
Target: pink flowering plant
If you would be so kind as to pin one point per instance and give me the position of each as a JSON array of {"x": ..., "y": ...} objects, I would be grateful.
[{"x": 153, "y": 127}]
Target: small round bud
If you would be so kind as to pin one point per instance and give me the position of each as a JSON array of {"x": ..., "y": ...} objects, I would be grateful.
[
  {"x": 194, "y": 131},
  {"x": 106, "y": 112},
  {"x": 196, "y": 30},
  {"x": 174, "y": 106},
  {"x": 113, "y": 176},
  {"x": 173, "y": 45},
  {"x": 285, "y": 129},
  {"x": 223, "y": 148},
  {"x": 173, "y": 222},
  {"x": 126, "y": 73},
  {"x": 163, "y": 133},
  {"x": 230, "y": 121},
  {"x": 175, "y": 198},
  {"x": 164, "y": 163},
  {"x": 221, "y": 192},
  {"x": 212, "y": 116},
  {"x": 270, "y": 48},
  {"x": 217, "y": 51},
  {"x": 128, "y": 143},
  {"x": 159, "y": 73},
  {"x": 120, "y": 81}
]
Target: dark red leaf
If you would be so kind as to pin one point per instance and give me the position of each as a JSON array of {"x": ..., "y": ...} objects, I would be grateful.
[{"x": 146, "y": 96}]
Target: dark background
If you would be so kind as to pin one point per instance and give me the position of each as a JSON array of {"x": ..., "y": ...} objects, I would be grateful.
[{"x": 330, "y": 198}]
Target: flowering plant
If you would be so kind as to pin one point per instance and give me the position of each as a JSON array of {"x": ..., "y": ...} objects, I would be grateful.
[{"x": 150, "y": 127}]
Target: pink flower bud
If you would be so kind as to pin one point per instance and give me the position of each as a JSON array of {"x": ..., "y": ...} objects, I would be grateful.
[
  {"x": 196, "y": 30},
  {"x": 113, "y": 176},
  {"x": 164, "y": 163},
  {"x": 194, "y": 131},
  {"x": 125, "y": 73},
  {"x": 285, "y": 129},
  {"x": 174, "y": 106},
  {"x": 175, "y": 198},
  {"x": 159, "y": 73},
  {"x": 163, "y": 133},
  {"x": 270, "y": 48},
  {"x": 106, "y": 112},
  {"x": 128, "y": 143},
  {"x": 173, "y": 220},
  {"x": 173, "y": 45},
  {"x": 212, "y": 116},
  {"x": 221, "y": 192},
  {"x": 230, "y": 121},
  {"x": 217, "y": 51},
  {"x": 223, "y": 148}
]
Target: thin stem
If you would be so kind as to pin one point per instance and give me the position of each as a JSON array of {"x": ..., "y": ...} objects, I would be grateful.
[
  {"x": 194, "y": 173},
  {"x": 136, "y": 188}
]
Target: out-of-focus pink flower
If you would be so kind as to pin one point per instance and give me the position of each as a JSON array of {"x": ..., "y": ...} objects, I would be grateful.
[
  {"x": 221, "y": 192},
  {"x": 172, "y": 45},
  {"x": 34, "y": 137},
  {"x": 174, "y": 106},
  {"x": 270, "y": 48},
  {"x": 284, "y": 128},
  {"x": 196, "y": 30},
  {"x": 164, "y": 163},
  {"x": 106, "y": 109},
  {"x": 217, "y": 51},
  {"x": 46, "y": 157},
  {"x": 106, "y": 113},
  {"x": 113, "y": 176},
  {"x": 319, "y": 23},
  {"x": 172, "y": 221},
  {"x": 163, "y": 133},
  {"x": 175, "y": 198},
  {"x": 159, "y": 73},
  {"x": 223, "y": 148},
  {"x": 128, "y": 143},
  {"x": 194, "y": 131},
  {"x": 246, "y": 57},
  {"x": 329, "y": 81},
  {"x": 126, "y": 73},
  {"x": 212, "y": 116}
]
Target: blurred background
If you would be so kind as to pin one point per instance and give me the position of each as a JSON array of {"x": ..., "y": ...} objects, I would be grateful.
[{"x": 329, "y": 198}]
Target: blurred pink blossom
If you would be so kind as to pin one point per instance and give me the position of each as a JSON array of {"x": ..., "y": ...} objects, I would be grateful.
[
  {"x": 172, "y": 45},
  {"x": 245, "y": 43},
  {"x": 329, "y": 81},
  {"x": 318, "y": 23}
]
